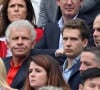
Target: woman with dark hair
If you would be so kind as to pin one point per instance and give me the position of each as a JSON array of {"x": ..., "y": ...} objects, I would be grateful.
[
  {"x": 44, "y": 70},
  {"x": 13, "y": 10}
]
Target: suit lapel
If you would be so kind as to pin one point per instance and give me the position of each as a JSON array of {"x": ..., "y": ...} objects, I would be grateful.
[
  {"x": 75, "y": 70},
  {"x": 53, "y": 35},
  {"x": 21, "y": 74}
]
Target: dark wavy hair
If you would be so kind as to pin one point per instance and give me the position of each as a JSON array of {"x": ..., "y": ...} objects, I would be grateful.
[{"x": 5, "y": 20}]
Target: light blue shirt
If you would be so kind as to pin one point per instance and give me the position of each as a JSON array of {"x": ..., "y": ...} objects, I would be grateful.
[
  {"x": 67, "y": 71},
  {"x": 61, "y": 24}
]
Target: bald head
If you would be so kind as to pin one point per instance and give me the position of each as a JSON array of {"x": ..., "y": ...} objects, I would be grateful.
[{"x": 96, "y": 27}]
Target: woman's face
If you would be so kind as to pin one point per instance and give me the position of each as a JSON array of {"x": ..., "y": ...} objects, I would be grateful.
[
  {"x": 16, "y": 10},
  {"x": 37, "y": 76}
]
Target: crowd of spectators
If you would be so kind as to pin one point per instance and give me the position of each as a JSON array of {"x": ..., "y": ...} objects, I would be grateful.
[{"x": 49, "y": 44}]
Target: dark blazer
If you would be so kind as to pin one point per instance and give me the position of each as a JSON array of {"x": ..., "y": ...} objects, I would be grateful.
[
  {"x": 50, "y": 41},
  {"x": 19, "y": 79},
  {"x": 75, "y": 78}
]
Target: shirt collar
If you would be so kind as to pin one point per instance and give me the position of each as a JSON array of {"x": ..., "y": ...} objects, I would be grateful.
[
  {"x": 12, "y": 64},
  {"x": 61, "y": 22},
  {"x": 74, "y": 62}
]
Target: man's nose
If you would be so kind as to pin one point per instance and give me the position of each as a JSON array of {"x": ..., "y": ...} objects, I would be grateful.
[
  {"x": 95, "y": 33},
  {"x": 68, "y": 42},
  {"x": 69, "y": 1},
  {"x": 20, "y": 40},
  {"x": 82, "y": 68},
  {"x": 16, "y": 8}
]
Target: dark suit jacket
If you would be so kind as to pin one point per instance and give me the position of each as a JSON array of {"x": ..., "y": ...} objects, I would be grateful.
[
  {"x": 75, "y": 78},
  {"x": 19, "y": 79}
]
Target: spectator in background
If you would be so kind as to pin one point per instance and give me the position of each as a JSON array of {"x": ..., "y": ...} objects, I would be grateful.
[
  {"x": 3, "y": 75},
  {"x": 13, "y": 10},
  {"x": 90, "y": 57},
  {"x": 20, "y": 37},
  {"x": 91, "y": 9},
  {"x": 96, "y": 27},
  {"x": 75, "y": 34},
  {"x": 90, "y": 79},
  {"x": 44, "y": 70}
]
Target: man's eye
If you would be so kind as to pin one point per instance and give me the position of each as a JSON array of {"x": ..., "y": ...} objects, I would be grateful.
[{"x": 87, "y": 64}]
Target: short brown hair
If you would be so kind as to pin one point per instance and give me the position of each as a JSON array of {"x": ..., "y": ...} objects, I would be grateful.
[{"x": 78, "y": 24}]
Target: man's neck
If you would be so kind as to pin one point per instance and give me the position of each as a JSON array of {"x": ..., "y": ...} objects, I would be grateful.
[
  {"x": 67, "y": 18},
  {"x": 18, "y": 60},
  {"x": 70, "y": 62}
]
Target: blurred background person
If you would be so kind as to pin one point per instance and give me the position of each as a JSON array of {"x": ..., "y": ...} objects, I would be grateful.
[{"x": 44, "y": 70}]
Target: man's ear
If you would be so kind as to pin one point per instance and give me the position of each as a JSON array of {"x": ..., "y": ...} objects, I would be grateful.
[
  {"x": 80, "y": 87},
  {"x": 81, "y": 2},
  {"x": 58, "y": 2},
  {"x": 33, "y": 44},
  {"x": 85, "y": 42},
  {"x": 7, "y": 43}
]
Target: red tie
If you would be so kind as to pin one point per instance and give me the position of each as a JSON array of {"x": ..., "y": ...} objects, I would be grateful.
[{"x": 3, "y": 49}]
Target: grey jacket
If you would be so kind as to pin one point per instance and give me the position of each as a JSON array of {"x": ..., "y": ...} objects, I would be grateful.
[{"x": 48, "y": 12}]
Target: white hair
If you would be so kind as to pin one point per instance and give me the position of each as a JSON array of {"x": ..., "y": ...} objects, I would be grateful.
[
  {"x": 20, "y": 24},
  {"x": 50, "y": 88}
]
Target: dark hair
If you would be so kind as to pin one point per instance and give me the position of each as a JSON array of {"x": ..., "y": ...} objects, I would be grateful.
[
  {"x": 90, "y": 74},
  {"x": 94, "y": 50},
  {"x": 53, "y": 71},
  {"x": 5, "y": 20},
  {"x": 77, "y": 24}
]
